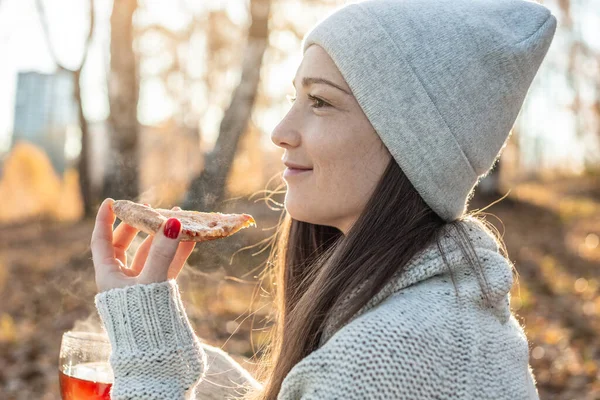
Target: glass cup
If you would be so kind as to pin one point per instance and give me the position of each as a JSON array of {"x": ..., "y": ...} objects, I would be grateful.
[{"x": 84, "y": 369}]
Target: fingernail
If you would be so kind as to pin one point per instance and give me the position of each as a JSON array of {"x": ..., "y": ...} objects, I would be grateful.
[
  {"x": 146, "y": 204},
  {"x": 172, "y": 228}
]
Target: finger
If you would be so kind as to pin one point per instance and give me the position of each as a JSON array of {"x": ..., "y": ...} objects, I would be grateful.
[
  {"x": 103, "y": 252},
  {"x": 123, "y": 268},
  {"x": 141, "y": 255},
  {"x": 162, "y": 252},
  {"x": 142, "y": 252},
  {"x": 122, "y": 238},
  {"x": 183, "y": 252}
]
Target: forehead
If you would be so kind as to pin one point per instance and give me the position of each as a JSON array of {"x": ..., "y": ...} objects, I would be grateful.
[{"x": 316, "y": 63}]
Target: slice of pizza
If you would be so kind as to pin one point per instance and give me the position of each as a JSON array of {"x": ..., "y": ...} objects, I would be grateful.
[{"x": 195, "y": 226}]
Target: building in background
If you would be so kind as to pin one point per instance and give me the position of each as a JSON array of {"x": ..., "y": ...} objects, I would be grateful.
[{"x": 46, "y": 113}]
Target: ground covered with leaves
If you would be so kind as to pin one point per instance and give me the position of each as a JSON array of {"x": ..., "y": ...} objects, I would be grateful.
[{"x": 551, "y": 230}]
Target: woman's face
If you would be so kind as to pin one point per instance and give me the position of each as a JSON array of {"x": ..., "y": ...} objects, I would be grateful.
[{"x": 327, "y": 132}]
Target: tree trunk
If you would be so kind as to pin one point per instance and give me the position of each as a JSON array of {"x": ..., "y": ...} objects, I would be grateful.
[
  {"x": 83, "y": 162},
  {"x": 121, "y": 180},
  {"x": 208, "y": 189}
]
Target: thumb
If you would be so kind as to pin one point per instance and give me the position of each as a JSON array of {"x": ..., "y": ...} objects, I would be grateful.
[{"x": 162, "y": 252}]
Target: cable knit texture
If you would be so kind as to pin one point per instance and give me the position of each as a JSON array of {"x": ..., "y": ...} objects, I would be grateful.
[
  {"x": 155, "y": 354},
  {"x": 418, "y": 338}
]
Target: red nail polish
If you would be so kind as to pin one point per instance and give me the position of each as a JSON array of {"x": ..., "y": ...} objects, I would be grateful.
[
  {"x": 172, "y": 228},
  {"x": 146, "y": 204}
]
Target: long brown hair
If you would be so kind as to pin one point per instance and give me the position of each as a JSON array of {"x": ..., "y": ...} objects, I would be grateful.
[{"x": 315, "y": 267}]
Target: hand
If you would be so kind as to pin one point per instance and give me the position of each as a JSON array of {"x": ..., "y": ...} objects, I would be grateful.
[{"x": 158, "y": 258}]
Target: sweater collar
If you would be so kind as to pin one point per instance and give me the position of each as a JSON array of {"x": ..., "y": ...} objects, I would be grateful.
[{"x": 429, "y": 263}]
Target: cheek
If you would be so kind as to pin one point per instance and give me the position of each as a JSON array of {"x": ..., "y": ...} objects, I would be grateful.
[
  {"x": 335, "y": 189},
  {"x": 347, "y": 166},
  {"x": 317, "y": 197},
  {"x": 353, "y": 171}
]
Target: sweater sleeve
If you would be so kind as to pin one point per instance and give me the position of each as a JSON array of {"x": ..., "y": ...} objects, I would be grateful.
[
  {"x": 155, "y": 353},
  {"x": 148, "y": 329}
]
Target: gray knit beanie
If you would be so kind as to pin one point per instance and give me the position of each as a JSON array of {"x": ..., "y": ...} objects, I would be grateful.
[{"x": 441, "y": 81}]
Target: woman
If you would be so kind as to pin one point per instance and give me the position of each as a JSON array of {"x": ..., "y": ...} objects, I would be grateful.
[{"x": 387, "y": 289}]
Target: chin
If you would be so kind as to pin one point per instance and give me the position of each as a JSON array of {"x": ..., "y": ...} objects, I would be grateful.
[
  {"x": 295, "y": 213},
  {"x": 305, "y": 214},
  {"x": 299, "y": 210}
]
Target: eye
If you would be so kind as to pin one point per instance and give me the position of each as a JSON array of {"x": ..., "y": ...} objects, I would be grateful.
[{"x": 318, "y": 103}]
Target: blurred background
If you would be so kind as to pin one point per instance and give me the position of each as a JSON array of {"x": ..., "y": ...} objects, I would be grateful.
[{"x": 172, "y": 103}]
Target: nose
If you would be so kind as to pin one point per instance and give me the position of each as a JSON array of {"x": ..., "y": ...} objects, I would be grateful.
[{"x": 286, "y": 133}]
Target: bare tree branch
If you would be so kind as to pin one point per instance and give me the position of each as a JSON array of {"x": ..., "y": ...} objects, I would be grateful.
[
  {"x": 208, "y": 189},
  {"x": 83, "y": 164},
  {"x": 122, "y": 175},
  {"x": 45, "y": 26}
]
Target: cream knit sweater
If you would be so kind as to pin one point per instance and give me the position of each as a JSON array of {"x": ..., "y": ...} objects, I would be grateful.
[{"x": 417, "y": 339}]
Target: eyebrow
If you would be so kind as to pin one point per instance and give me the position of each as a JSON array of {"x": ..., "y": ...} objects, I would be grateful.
[{"x": 308, "y": 81}]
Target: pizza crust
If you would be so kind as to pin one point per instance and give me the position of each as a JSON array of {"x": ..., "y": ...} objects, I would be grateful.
[{"x": 195, "y": 226}]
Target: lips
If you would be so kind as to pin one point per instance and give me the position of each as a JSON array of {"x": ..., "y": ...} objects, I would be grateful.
[
  {"x": 296, "y": 166},
  {"x": 289, "y": 172}
]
